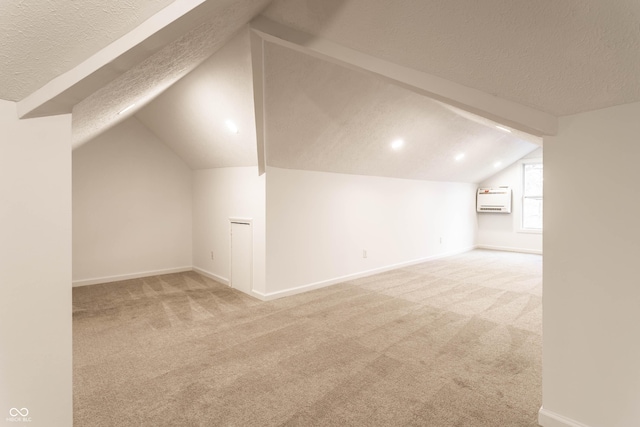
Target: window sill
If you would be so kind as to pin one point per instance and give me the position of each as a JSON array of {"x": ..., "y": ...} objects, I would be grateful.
[{"x": 528, "y": 231}]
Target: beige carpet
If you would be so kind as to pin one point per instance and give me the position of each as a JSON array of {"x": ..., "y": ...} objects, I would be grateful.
[{"x": 452, "y": 342}]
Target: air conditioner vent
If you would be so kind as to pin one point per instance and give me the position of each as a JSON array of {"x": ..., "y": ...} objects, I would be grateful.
[{"x": 494, "y": 200}]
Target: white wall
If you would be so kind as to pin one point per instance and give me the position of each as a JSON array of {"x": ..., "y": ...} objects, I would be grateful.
[
  {"x": 35, "y": 268},
  {"x": 502, "y": 231},
  {"x": 591, "y": 357},
  {"x": 131, "y": 206},
  {"x": 220, "y": 194},
  {"x": 318, "y": 225}
]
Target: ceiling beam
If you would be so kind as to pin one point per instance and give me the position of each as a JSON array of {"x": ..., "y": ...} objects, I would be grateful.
[{"x": 499, "y": 110}]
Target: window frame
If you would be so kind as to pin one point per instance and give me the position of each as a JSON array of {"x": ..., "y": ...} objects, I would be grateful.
[{"x": 523, "y": 197}]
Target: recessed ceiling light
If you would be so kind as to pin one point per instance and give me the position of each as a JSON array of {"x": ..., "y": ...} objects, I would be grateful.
[
  {"x": 127, "y": 109},
  {"x": 397, "y": 144},
  {"x": 503, "y": 128},
  {"x": 459, "y": 157},
  {"x": 497, "y": 164},
  {"x": 232, "y": 126}
]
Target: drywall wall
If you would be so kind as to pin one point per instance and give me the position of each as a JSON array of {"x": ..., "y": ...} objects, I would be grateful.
[
  {"x": 35, "y": 269},
  {"x": 319, "y": 224},
  {"x": 503, "y": 231},
  {"x": 220, "y": 194},
  {"x": 131, "y": 207},
  {"x": 591, "y": 357}
]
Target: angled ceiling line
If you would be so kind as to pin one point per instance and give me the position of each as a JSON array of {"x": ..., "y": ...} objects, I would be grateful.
[
  {"x": 325, "y": 117},
  {"x": 500, "y": 110},
  {"x": 257, "y": 65},
  {"x": 59, "y": 95},
  {"x": 218, "y": 21}
]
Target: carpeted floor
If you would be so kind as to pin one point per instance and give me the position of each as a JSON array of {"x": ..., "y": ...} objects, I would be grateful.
[{"x": 452, "y": 342}]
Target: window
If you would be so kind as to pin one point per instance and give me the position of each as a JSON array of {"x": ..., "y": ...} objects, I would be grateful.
[{"x": 532, "y": 197}]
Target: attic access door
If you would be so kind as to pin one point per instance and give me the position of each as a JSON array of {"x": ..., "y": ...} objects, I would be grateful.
[{"x": 241, "y": 271}]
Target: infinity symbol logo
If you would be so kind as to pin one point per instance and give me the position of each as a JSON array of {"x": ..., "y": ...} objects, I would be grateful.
[{"x": 14, "y": 412}]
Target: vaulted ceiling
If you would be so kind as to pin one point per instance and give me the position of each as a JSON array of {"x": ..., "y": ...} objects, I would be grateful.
[
  {"x": 43, "y": 39},
  {"x": 191, "y": 116},
  {"x": 325, "y": 84},
  {"x": 324, "y": 117},
  {"x": 561, "y": 57}
]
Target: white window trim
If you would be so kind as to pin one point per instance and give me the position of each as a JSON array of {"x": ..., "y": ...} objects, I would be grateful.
[{"x": 520, "y": 229}]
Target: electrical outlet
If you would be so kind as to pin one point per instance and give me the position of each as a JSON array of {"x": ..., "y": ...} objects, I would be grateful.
[
  {"x": 212, "y": 255},
  {"x": 441, "y": 240},
  {"x": 364, "y": 253}
]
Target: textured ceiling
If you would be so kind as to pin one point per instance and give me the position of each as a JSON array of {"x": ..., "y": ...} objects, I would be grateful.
[
  {"x": 561, "y": 57},
  {"x": 323, "y": 117},
  {"x": 148, "y": 79},
  {"x": 190, "y": 116},
  {"x": 42, "y": 39}
]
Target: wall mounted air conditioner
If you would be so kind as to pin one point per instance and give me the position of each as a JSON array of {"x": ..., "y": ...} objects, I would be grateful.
[{"x": 496, "y": 200}]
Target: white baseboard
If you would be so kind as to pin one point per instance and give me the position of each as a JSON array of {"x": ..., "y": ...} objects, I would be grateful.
[
  {"x": 121, "y": 277},
  {"x": 211, "y": 275},
  {"x": 261, "y": 296},
  {"x": 324, "y": 283},
  {"x": 510, "y": 249},
  {"x": 225, "y": 281},
  {"x": 548, "y": 418}
]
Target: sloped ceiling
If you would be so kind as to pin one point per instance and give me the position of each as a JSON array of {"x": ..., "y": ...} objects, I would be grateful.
[
  {"x": 43, "y": 39},
  {"x": 143, "y": 82},
  {"x": 555, "y": 57},
  {"x": 323, "y": 117},
  {"x": 561, "y": 57},
  {"x": 191, "y": 115}
]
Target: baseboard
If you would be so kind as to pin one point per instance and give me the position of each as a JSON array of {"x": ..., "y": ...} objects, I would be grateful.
[
  {"x": 510, "y": 249},
  {"x": 324, "y": 283},
  {"x": 225, "y": 281},
  {"x": 261, "y": 296},
  {"x": 211, "y": 275},
  {"x": 548, "y": 418},
  {"x": 121, "y": 277}
]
